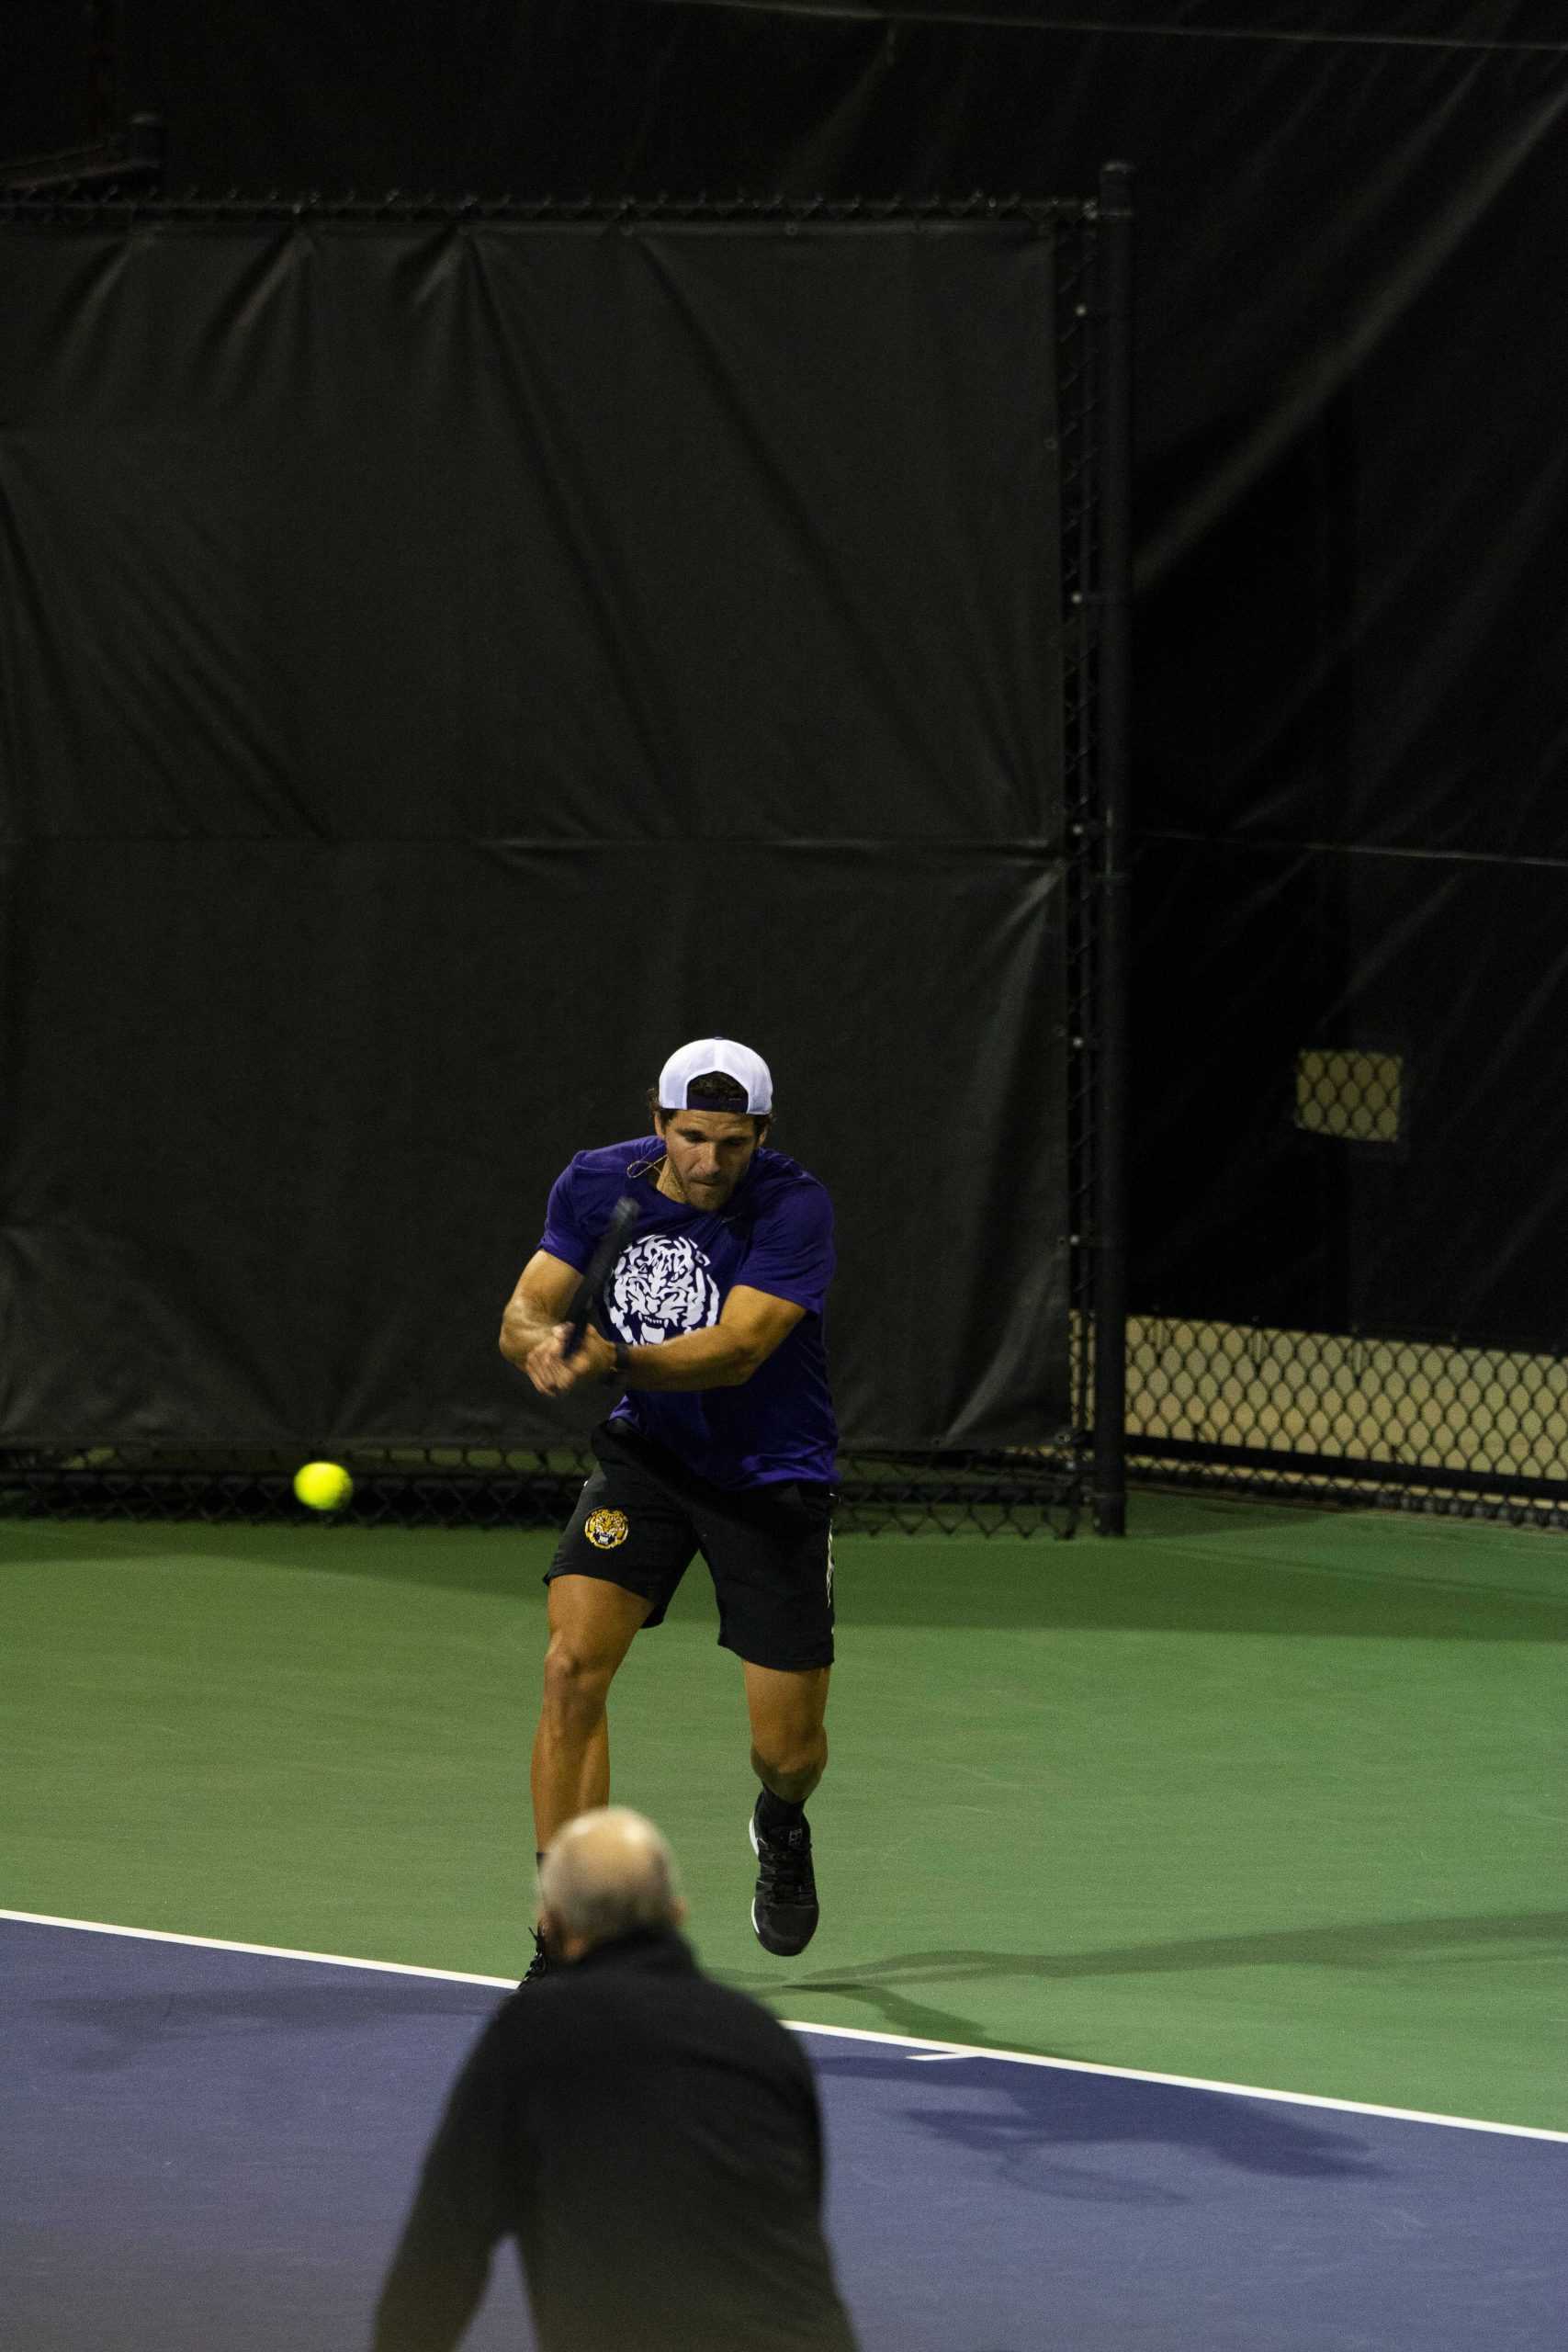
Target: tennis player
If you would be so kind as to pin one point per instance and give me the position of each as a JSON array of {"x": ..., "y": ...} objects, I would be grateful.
[{"x": 722, "y": 1442}]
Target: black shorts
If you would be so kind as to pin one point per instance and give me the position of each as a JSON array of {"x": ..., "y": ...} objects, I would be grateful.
[{"x": 642, "y": 1517}]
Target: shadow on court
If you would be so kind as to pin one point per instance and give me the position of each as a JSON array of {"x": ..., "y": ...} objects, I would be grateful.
[
  {"x": 116, "y": 2029},
  {"x": 1359, "y": 1946},
  {"x": 1023, "y": 2125}
]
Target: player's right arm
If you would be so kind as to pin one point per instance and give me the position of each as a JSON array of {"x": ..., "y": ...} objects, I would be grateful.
[{"x": 538, "y": 1307}]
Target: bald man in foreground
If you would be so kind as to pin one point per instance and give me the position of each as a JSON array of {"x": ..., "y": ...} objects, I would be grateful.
[{"x": 649, "y": 2138}]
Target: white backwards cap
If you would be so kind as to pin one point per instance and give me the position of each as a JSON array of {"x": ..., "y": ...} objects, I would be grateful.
[{"x": 704, "y": 1053}]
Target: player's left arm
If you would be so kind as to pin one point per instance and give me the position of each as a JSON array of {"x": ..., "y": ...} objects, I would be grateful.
[{"x": 753, "y": 1324}]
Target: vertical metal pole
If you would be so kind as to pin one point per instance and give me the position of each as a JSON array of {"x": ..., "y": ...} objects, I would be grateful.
[
  {"x": 102, "y": 23},
  {"x": 1112, "y": 301}
]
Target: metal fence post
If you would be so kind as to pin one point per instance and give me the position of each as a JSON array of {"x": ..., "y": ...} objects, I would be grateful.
[{"x": 1112, "y": 302}]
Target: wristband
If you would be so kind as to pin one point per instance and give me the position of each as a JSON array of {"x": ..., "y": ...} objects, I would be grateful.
[{"x": 618, "y": 1360}]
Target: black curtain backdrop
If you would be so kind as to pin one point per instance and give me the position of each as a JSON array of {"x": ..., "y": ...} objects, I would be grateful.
[
  {"x": 445, "y": 667},
  {"x": 1351, "y": 644}
]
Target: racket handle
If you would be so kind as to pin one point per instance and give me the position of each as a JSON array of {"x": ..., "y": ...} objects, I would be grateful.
[{"x": 612, "y": 1241}]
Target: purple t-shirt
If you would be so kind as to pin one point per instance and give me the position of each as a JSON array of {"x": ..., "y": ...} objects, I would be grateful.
[{"x": 774, "y": 1234}]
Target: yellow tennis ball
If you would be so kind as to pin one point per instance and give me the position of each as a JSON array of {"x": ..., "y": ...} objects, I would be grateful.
[{"x": 323, "y": 1485}]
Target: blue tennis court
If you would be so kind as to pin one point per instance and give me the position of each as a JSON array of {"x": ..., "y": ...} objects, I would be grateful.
[{"x": 211, "y": 2148}]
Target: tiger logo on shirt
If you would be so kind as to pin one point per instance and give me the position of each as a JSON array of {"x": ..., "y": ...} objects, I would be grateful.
[{"x": 661, "y": 1285}]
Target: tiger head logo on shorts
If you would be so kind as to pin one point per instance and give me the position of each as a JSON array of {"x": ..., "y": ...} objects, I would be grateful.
[{"x": 606, "y": 1529}]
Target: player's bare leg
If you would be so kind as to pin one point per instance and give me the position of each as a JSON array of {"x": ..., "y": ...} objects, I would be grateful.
[
  {"x": 592, "y": 1627},
  {"x": 789, "y": 1737},
  {"x": 789, "y": 1755}
]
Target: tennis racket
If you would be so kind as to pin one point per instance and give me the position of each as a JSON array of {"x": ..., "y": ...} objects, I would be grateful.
[{"x": 590, "y": 1290}]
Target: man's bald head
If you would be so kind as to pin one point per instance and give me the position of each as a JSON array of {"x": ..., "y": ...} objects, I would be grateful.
[{"x": 608, "y": 1873}]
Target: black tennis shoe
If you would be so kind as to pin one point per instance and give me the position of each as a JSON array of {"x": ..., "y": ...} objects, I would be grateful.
[
  {"x": 783, "y": 1909},
  {"x": 540, "y": 1963}
]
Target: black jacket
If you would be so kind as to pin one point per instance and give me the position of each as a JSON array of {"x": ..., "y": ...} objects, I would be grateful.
[{"x": 652, "y": 2141}]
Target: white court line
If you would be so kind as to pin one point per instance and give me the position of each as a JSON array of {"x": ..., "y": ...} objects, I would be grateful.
[
  {"x": 265, "y": 1951},
  {"x": 1186, "y": 2082},
  {"x": 922, "y": 2047}
]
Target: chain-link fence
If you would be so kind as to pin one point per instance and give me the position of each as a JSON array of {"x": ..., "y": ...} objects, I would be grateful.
[
  {"x": 1403, "y": 1421},
  {"x": 1025, "y": 1490},
  {"x": 1340, "y": 1417},
  {"x": 948, "y": 1493}
]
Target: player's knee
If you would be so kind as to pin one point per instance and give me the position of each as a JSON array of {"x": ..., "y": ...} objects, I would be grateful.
[
  {"x": 787, "y": 1760},
  {"x": 576, "y": 1680}
]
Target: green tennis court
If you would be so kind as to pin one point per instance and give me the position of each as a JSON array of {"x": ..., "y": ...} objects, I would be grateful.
[{"x": 1259, "y": 1796}]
